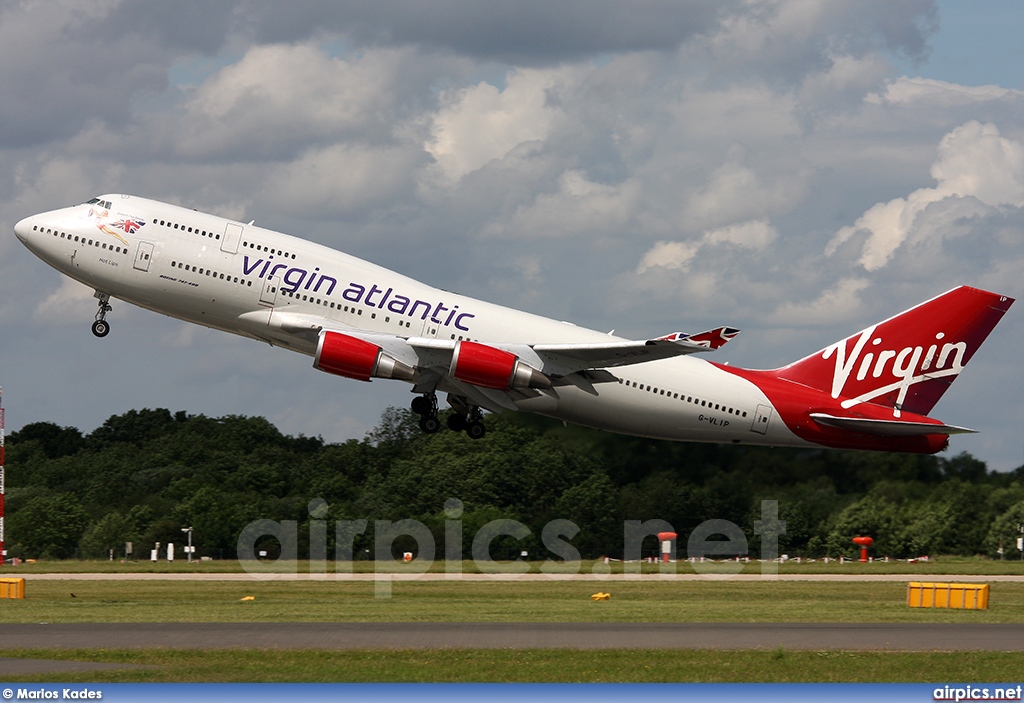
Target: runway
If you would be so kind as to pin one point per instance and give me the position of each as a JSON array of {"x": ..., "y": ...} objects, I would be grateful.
[{"x": 393, "y": 635}]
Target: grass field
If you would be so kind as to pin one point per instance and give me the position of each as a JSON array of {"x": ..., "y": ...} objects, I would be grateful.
[
  {"x": 535, "y": 665},
  {"x": 649, "y": 600},
  {"x": 445, "y": 601}
]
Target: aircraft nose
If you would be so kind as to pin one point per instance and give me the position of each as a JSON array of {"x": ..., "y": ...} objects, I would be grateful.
[{"x": 22, "y": 229}]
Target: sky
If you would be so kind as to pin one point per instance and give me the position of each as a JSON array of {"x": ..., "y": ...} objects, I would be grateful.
[{"x": 796, "y": 168}]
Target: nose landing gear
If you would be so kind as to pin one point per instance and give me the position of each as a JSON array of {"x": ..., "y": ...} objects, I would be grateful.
[{"x": 101, "y": 328}]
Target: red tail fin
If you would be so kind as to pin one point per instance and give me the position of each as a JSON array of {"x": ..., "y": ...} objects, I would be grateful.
[{"x": 908, "y": 361}]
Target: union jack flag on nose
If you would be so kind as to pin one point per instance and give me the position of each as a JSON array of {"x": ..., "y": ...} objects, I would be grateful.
[{"x": 130, "y": 226}]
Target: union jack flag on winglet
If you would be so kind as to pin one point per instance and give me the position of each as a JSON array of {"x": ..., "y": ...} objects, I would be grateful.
[{"x": 712, "y": 339}]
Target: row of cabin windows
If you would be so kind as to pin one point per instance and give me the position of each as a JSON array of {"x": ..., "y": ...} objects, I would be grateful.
[
  {"x": 685, "y": 398},
  {"x": 262, "y": 247},
  {"x": 213, "y": 274},
  {"x": 183, "y": 228},
  {"x": 204, "y": 233},
  {"x": 336, "y": 306},
  {"x": 82, "y": 240},
  {"x": 346, "y": 308}
]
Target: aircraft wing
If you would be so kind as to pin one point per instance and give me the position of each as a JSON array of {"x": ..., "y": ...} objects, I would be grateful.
[
  {"x": 623, "y": 353},
  {"x": 511, "y": 371}
]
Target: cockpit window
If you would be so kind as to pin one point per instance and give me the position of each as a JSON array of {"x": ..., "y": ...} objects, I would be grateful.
[{"x": 102, "y": 203}]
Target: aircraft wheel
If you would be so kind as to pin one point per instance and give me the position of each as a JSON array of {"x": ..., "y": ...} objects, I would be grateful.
[
  {"x": 421, "y": 405},
  {"x": 476, "y": 430},
  {"x": 456, "y": 423},
  {"x": 101, "y": 328},
  {"x": 430, "y": 424}
]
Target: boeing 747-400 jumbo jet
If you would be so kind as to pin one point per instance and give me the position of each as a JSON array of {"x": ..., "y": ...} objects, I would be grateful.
[{"x": 872, "y": 390}]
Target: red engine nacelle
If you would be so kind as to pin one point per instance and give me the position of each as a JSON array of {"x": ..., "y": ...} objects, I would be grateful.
[
  {"x": 488, "y": 367},
  {"x": 356, "y": 358}
]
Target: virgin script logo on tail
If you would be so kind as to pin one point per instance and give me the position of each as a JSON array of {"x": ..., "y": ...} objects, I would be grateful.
[{"x": 894, "y": 369}]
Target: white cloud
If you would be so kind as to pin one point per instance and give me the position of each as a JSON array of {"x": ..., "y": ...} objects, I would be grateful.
[
  {"x": 343, "y": 178},
  {"x": 580, "y": 207},
  {"x": 847, "y": 81},
  {"x": 482, "y": 123},
  {"x": 280, "y": 96},
  {"x": 837, "y": 304},
  {"x": 735, "y": 192},
  {"x": 974, "y": 161},
  {"x": 669, "y": 255},
  {"x": 755, "y": 235},
  {"x": 928, "y": 91},
  {"x": 71, "y": 303}
]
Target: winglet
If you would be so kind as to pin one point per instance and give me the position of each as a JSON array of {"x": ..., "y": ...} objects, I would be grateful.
[{"x": 710, "y": 339}]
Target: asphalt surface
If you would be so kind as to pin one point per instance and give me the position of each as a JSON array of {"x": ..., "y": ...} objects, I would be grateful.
[{"x": 796, "y": 636}]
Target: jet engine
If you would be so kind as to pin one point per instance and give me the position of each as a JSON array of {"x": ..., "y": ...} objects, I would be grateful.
[
  {"x": 348, "y": 356},
  {"x": 481, "y": 365}
]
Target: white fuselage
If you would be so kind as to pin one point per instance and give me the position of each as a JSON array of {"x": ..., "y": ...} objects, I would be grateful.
[{"x": 246, "y": 280}]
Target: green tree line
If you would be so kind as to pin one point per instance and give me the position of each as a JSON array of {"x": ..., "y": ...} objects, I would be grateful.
[{"x": 144, "y": 475}]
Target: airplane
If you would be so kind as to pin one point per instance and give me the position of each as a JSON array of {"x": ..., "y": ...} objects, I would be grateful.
[{"x": 872, "y": 390}]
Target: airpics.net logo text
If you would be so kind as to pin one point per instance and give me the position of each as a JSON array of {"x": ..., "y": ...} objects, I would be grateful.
[{"x": 711, "y": 540}]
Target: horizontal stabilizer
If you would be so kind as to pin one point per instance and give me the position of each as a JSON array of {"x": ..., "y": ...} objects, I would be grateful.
[{"x": 887, "y": 428}]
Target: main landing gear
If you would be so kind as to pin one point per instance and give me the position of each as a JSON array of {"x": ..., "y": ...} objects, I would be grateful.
[
  {"x": 426, "y": 407},
  {"x": 101, "y": 328},
  {"x": 467, "y": 418},
  {"x": 468, "y": 422}
]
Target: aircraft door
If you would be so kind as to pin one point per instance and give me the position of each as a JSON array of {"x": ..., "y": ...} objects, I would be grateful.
[
  {"x": 429, "y": 328},
  {"x": 232, "y": 236},
  {"x": 268, "y": 296},
  {"x": 143, "y": 256},
  {"x": 761, "y": 418}
]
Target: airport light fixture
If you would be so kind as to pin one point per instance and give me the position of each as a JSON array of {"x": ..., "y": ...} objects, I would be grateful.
[{"x": 188, "y": 549}]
